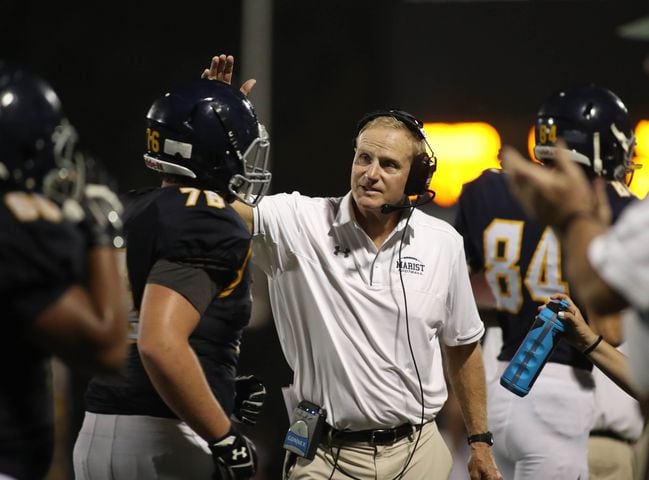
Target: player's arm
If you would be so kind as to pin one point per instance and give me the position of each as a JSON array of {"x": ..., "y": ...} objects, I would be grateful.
[
  {"x": 167, "y": 319},
  {"x": 614, "y": 364},
  {"x": 586, "y": 281},
  {"x": 87, "y": 326},
  {"x": 465, "y": 371},
  {"x": 608, "y": 326},
  {"x": 606, "y": 357}
]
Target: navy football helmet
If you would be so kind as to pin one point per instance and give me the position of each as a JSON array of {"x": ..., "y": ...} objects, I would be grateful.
[
  {"x": 594, "y": 124},
  {"x": 208, "y": 131},
  {"x": 37, "y": 143}
]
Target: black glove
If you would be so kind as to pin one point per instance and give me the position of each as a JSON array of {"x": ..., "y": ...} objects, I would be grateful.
[
  {"x": 101, "y": 222},
  {"x": 249, "y": 398},
  {"x": 235, "y": 456}
]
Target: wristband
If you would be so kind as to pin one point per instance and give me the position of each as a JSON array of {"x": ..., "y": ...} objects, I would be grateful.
[
  {"x": 486, "y": 437},
  {"x": 593, "y": 345}
]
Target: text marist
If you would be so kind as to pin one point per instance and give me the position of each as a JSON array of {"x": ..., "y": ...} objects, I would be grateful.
[{"x": 410, "y": 266}]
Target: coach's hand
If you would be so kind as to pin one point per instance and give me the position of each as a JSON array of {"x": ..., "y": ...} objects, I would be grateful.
[
  {"x": 235, "y": 456},
  {"x": 250, "y": 395},
  {"x": 221, "y": 68},
  {"x": 482, "y": 465}
]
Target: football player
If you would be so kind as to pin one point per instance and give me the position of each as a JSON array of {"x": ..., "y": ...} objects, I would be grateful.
[
  {"x": 59, "y": 282},
  {"x": 545, "y": 434},
  {"x": 167, "y": 414}
]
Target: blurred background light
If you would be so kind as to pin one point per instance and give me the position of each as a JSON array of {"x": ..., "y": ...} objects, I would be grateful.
[
  {"x": 640, "y": 183},
  {"x": 464, "y": 151}
]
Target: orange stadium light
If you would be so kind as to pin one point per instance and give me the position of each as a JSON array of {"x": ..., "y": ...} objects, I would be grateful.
[
  {"x": 464, "y": 151},
  {"x": 640, "y": 183},
  {"x": 531, "y": 143}
]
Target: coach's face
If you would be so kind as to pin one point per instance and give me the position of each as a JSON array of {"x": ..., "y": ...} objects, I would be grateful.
[{"x": 381, "y": 166}]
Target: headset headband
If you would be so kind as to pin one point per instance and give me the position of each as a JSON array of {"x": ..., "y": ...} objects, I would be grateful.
[{"x": 410, "y": 121}]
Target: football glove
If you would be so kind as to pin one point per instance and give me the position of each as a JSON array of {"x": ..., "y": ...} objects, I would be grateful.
[
  {"x": 235, "y": 457},
  {"x": 249, "y": 398},
  {"x": 101, "y": 221}
]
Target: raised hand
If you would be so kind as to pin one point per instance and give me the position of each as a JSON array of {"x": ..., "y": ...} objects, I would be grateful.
[{"x": 221, "y": 68}]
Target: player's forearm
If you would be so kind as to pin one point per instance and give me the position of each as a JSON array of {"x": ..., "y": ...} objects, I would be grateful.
[
  {"x": 614, "y": 364},
  {"x": 465, "y": 372},
  {"x": 584, "y": 279},
  {"x": 87, "y": 325},
  {"x": 107, "y": 294},
  {"x": 178, "y": 378},
  {"x": 608, "y": 326}
]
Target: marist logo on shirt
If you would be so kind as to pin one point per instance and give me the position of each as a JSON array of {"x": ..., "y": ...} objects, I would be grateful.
[{"x": 410, "y": 265}]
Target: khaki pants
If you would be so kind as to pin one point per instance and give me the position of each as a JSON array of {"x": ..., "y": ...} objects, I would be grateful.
[
  {"x": 609, "y": 459},
  {"x": 641, "y": 455},
  {"x": 432, "y": 460}
]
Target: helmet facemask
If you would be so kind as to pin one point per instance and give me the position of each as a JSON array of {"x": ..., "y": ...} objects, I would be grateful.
[
  {"x": 626, "y": 166},
  {"x": 67, "y": 179},
  {"x": 253, "y": 184}
]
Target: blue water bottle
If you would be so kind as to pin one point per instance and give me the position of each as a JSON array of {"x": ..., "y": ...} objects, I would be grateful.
[{"x": 539, "y": 343}]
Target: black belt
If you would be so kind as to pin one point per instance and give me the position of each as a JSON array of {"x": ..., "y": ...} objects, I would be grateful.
[
  {"x": 380, "y": 436},
  {"x": 609, "y": 434}
]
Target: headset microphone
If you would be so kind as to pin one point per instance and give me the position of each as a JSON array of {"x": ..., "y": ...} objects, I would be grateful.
[{"x": 413, "y": 201}]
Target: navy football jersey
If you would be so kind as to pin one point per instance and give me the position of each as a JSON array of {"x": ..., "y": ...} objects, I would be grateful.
[
  {"x": 194, "y": 228},
  {"x": 41, "y": 256},
  {"x": 520, "y": 257}
]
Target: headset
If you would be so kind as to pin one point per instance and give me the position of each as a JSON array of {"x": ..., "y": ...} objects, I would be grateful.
[{"x": 423, "y": 165}]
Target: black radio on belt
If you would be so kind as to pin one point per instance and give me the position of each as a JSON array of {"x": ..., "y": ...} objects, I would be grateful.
[{"x": 303, "y": 436}]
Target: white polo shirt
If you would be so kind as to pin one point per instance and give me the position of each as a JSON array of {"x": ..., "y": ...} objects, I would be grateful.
[{"x": 340, "y": 313}]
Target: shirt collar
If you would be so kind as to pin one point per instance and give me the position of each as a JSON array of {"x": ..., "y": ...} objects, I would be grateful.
[{"x": 345, "y": 214}]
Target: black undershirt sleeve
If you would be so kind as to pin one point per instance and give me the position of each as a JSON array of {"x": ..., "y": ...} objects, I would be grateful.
[{"x": 195, "y": 284}]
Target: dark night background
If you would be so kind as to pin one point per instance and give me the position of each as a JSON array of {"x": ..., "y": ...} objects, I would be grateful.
[{"x": 331, "y": 62}]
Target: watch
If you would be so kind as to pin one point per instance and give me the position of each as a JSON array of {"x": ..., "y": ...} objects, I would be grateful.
[{"x": 486, "y": 437}]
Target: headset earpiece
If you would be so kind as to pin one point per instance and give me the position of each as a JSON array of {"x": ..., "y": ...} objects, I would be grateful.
[{"x": 421, "y": 173}]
